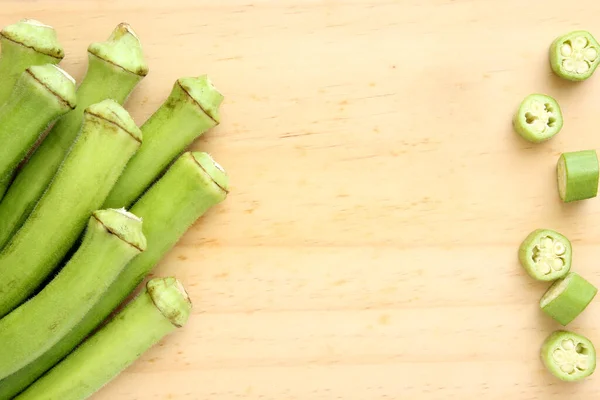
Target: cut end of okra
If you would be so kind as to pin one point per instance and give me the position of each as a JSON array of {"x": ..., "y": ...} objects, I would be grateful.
[
  {"x": 170, "y": 297},
  {"x": 124, "y": 225},
  {"x": 545, "y": 255},
  {"x": 203, "y": 92},
  {"x": 56, "y": 81},
  {"x": 574, "y": 56},
  {"x": 568, "y": 356},
  {"x": 567, "y": 298},
  {"x": 538, "y": 118},
  {"x": 35, "y": 35},
  {"x": 114, "y": 113},
  {"x": 123, "y": 48},
  {"x": 577, "y": 175},
  {"x": 215, "y": 172}
]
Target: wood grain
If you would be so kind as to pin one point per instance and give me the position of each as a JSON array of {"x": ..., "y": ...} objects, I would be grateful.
[{"x": 379, "y": 194}]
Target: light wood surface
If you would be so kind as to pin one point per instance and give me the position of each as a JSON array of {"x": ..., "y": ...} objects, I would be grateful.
[{"x": 379, "y": 195}]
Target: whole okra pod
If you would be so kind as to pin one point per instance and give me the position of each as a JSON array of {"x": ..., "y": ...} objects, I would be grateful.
[
  {"x": 111, "y": 240},
  {"x": 115, "y": 68},
  {"x": 108, "y": 139},
  {"x": 41, "y": 95},
  {"x": 160, "y": 309},
  {"x": 191, "y": 109},
  {"x": 191, "y": 186},
  {"x": 24, "y": 44}
]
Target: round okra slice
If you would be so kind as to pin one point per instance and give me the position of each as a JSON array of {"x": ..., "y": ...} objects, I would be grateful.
[
  {"x": 568, "y": 355},
  {"x": 538, "y": 118},
  {"x": 545, "y": 255},
  {"x": 574, "y": 56},
  {"x": 567, "y": 298},
  {"x": 577, "y": 175}
]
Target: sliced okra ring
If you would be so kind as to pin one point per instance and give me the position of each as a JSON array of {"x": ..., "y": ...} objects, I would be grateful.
[
  {"x": 538, "y": 118},
  {"x": 574, "y": 56},
  {"x": 545, "y": 255},
  {"x": 577, "y": 175},
  {"x": 567, "y": 298},
  {"x": 568, "y": 356}
]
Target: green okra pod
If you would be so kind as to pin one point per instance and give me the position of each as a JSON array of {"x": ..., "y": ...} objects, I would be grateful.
[
  {"x": 567, "y": 298},
  {"x": 568, "y": 356},
  {"x": 191, "y": 109},
  {"x": 159, "y": 310},
  {"x": 41, "y": 95},
  {"x": 114, "y": 70},
  {"x": 191, "y": 186},
  {"x": 546, "y": 255},
  {"x": 111, "y": 240},
  {"x": 108, "y": 139},
  {"x": 577, "y": 175},
  {"x": 538, "y": 118},
  {"x": 24, "y": 44},
  {"x": 574, "y": 55}
]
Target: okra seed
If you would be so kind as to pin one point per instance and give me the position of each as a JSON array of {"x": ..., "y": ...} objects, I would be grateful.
[
  {"x": 557, "y": 264},
  {"x": 568, "y": 368},
  {"x": 566, "y": 50},
  {"x": 568, "y": 344},
  {"x": 568, "y": 65},
  {"x": 579, "y": 43},
  {"x": 559, "y": 355},
  {"x": 582, "y": 67},
  {"x": 559, "y": 248},
  {"x": 545, "y": 268},
  {"x": 547, "y": 242},
  {"x": 590, "y": 54},
  {"x": 582, "y": 364}
]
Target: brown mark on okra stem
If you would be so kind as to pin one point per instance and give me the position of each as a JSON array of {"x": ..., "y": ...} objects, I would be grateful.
[
  {"x": 207, "y": 112},
  {"x": 59, "y": 56},
  {"x": 174, "y": 314},
  {"x": 58, "y": 96},
  {"x": 117, "y": 234},
  {"x": 115, "y": 124},
  {"x": 226, "y": 191}
]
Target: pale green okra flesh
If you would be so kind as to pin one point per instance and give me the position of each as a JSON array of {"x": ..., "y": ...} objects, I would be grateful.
[
  {"x": 538, "y": 118},
  {"x": 568, "y": 356},
  {"x": 115, "y": 68},
  {"x": 42, "y": 94},
  {"x": 546, "y": 255},
  {"x": 567, "y": 298},
  {"x": 575, "y": 55},
  {"x": 111, "y": 240},
  {"x": 108, "y": 139},
  {"x": 156, "y": 312},
  {"x": 577, "y": 175},
  {"x": 24, "y": 44},
  {"x": 190, "y": 187},
  {"x": 191, "y": 109}
]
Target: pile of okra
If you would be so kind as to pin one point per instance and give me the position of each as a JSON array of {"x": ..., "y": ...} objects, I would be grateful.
[
  {"x": 89, "y": 204},
  {"x": 544, "y": 253}
]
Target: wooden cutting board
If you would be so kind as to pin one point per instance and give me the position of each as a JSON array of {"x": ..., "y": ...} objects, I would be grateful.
[{"x": 368, "y": 247}]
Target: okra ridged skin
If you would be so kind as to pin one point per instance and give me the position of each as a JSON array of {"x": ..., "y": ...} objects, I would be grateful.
[
  {"x": 114, "y": 70},
  {"x": 108, "y": 139},
  {"x": 24, "y": 44},
  {"x": 41, "y": 95},
  {"x": 159, "y": 310},
  {"x": 191, "y": 186},
  {"x": 191, "y": 109},
  {"x": 111, "y": 240}
]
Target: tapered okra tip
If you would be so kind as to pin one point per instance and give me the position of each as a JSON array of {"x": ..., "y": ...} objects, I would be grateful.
[
  {"x": 204, "y": 93},
  {"x": 123, "y": 48},
  {"x": 171, "y": 299},
  {"x": 114, "y": 113},
  {"x": 123, "y": 224},
  {"x": 212, "y": 169},
  {"x": 35, "y": 35},
  {"x": 56, "y": 81}
]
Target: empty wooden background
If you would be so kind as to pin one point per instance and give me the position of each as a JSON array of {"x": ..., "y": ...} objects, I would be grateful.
[{"x": 368, "y": 247}]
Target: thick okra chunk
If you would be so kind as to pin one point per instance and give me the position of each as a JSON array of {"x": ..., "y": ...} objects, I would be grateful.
[
  {"x": 545, "y": 255},
  {"x": 538, "y": 118},
  {"x": 567, "y": 298},
  {"x": 574, "y": 56},
  {"x": 568, "y": 356},
  {"x": 577, "y": 175}
]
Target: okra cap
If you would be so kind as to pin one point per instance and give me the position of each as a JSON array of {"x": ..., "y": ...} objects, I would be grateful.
[
  {"x": 123, "y": 48},
  {"x": 204, "y": 93},
  {"x": 56, "y": 81},
  {"x": 171, "y": 299},
  {"x": 216, "y": 173},
  {"x": 114, "y": 113},
  {"x": 125, "y": 225},
  {"x": 35, "y": 35}
]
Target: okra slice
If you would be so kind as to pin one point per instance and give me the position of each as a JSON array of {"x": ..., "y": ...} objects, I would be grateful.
[
  {"x": 111, "y": 240},
  {"x": 567, "y": 298},
  {"x": 577, "y": 175},
  {"x": 158, "y": 311},
  {"x": 568, "y": 356},
  {"x": 538, "y": 118},
  {"x": 545, "y": 255},
  {"x": 574, "y": 56}
]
